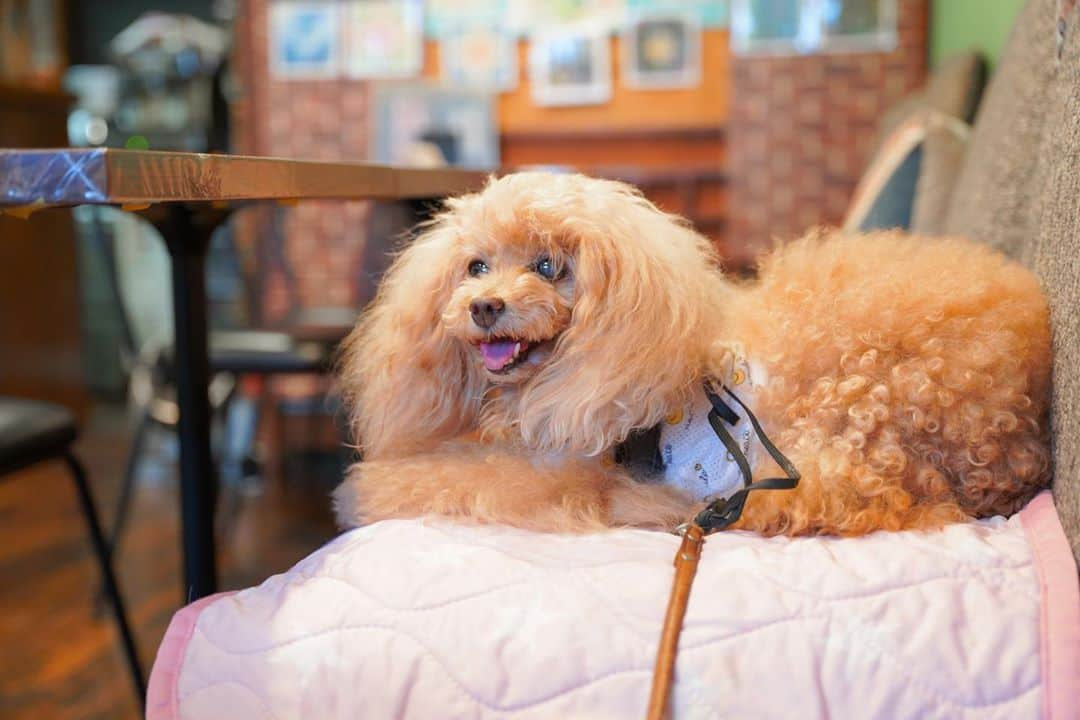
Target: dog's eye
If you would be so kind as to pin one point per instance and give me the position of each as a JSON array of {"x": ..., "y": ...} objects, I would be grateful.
[
  {"x": 478, "y": 267},
  {"x": 545, "y": 267}
]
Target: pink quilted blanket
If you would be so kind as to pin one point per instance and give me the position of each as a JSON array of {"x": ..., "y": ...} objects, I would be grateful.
[{"x": 423, "y": 619}]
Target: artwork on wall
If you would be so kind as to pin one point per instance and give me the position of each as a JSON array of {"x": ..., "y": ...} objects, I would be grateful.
[
  {"x": 709, "y": 13},
  {"x": 662, "y": 51},
  {"x": 858, "y": 25},
  {"x": 418, "y": 124},
  {"x": 304, "y": 40},
  {"x": 384, "y": 38},
  {"x": 570, "y": 68},
  {"x": 784, "y": 27},
  {"x": 481, "y": 59},
  {"x": 771, "y": 27},
  {"x": 525, "y": 17},
  {"x": 452, "y": 17},
  {"x": 530, "y": 17}
]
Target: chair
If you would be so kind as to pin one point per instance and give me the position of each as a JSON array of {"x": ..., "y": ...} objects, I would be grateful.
[
  {"x": 34, "y": 432},
  {"x": 136, "y": 268}
]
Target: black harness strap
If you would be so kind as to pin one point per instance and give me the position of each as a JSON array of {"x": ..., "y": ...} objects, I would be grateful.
[{"x": 723, "y": 513}]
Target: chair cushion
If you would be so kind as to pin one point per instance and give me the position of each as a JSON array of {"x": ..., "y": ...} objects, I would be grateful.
[
  {"x": 327, "y": 324},
  {"x": 942, "y": 157},
  {"x": 260, "y": 352},
  {"x": 953, "y": 89},
  {"x": 956, "y": 87},
  {"x": 263, "y": 352},
  {"x": 32, "y": 431},
  {"x": 885, "y": 193},
  {"x": 909, "y": 180},
  {"x": 424, "y": 619},
  {"x": 917, "y": 158}
]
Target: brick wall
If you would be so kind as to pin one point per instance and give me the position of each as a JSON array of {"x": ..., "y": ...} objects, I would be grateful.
[
  {"x": 802, "y": 127},
  {"x": 310, "y": 254}
]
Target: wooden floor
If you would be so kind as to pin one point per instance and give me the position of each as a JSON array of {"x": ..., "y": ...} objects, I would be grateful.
[{"x": 59, "y": 658}]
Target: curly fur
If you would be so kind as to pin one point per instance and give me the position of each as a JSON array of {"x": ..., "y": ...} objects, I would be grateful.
[{"x": 908, "y": 378}]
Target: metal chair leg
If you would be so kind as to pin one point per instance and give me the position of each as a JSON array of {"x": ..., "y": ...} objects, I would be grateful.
[{"x": 86, "y": 502}]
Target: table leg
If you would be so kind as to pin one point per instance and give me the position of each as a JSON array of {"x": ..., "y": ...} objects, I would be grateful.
[{"x": 188, "y": 240}]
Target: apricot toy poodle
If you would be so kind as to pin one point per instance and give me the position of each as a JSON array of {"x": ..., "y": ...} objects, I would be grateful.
[{"x": 533, "y": 328}]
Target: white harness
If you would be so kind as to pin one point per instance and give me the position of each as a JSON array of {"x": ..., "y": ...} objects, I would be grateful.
[{"x": 694, "y": 458}]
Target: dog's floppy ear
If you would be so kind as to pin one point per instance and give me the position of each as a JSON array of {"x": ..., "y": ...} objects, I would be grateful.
[
  {"x": 406, "y": 381},
  {"x": 648, "y": 292}
]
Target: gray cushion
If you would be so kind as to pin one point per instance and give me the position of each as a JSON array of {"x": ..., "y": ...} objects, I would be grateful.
[
  {"x": 942, "y": 158},
  {"x": 891, "y": 207},
  {"x": 1054, "y": 253},
  {"x": 917, "y": 196},
  {"x": 953, "y": 89},
  {"x": 995, "y": 195},
  {"x": 956, "y": 86}
]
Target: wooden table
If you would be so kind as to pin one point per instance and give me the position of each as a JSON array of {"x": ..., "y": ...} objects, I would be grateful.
[{"x": 186, "y": 195}]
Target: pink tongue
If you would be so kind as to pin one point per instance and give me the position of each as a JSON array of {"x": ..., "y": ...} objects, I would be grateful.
[{"x": 497, "y": 355}]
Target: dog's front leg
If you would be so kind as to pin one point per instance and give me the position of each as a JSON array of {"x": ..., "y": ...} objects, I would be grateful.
[{"x": 477, "y": 483}]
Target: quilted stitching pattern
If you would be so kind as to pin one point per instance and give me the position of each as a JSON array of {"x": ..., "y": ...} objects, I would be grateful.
[{"x": 426, "y": 619}]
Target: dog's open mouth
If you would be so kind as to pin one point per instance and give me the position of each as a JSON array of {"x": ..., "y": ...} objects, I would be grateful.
[{"x": 501, "y": 355}]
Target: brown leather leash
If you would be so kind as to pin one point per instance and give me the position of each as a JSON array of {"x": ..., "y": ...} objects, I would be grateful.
[
  {"x": 686, "y": 563},
  {"x": 719, "y": 515}
]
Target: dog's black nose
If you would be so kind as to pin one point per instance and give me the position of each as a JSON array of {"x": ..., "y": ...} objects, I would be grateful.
[{"x": 485, "y": 311}]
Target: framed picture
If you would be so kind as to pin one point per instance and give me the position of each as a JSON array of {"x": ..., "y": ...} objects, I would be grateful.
[
  {"x": 304, "y": 39},
  {"x": 570, "y": 68},
  {"x": 774, "y": 27},
  {"x": 384, "y": 38},
  {"x": 662, "y": 51},
  {"x": 418, "y": 124},
  {"x": 858, "y": 25},
  {"x": 480, "y": 59},
  {"x": 709, "y": 13},
  {"x": 530, "y": 17},
  {"x": 784, "y": 27},
  {"x": 450, "y": 17}
]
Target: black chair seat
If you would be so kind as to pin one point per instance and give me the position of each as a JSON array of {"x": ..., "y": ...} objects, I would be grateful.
[
  {"x": 328, "y": 325},
  {"x": 262, "y": 352},
  {"x": 32, "y": 431}
]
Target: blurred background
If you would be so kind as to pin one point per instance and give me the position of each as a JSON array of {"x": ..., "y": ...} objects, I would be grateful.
[{"x": 755, "y": 119}]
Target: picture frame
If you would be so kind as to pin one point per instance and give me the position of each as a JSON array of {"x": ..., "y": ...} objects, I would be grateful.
[
  {"x": 858, "y": 25},
  {"x": 774, "y": 27},
  {"x": 450, "y": 17},
  {"x": 789, "y": 27},
  {"x": 383, "y": 38},
  {"x": 709, "y": 13},
  {"x": 570, "y": 67},
  {"x": 480, "y": 59},
  {"x": 305, "y": 40},
  {"x": 662, "y": 51},
  {"x": 528, "y": 18},
  {"x": 423, "y": 124}
]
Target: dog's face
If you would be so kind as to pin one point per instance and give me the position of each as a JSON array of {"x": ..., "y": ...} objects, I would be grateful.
[
  {"x": 514, "y": 299},
  {"x": 589, "y": 307}
]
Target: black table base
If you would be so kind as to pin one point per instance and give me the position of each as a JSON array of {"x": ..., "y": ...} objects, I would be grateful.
[{"x": 187, "y": 232}]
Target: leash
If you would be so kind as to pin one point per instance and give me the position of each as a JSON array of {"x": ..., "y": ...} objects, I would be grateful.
[
  {"x": 718, "y": 515},
  {"x": 686, "y": 563}
]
